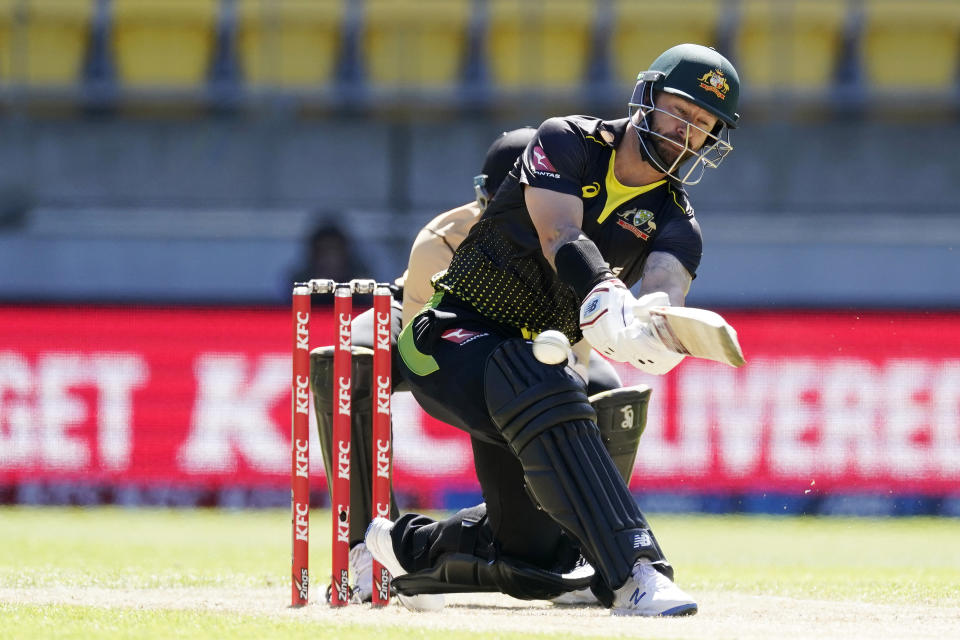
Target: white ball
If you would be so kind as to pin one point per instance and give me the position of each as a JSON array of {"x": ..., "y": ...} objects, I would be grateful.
[{"x": 551, "y": 347}]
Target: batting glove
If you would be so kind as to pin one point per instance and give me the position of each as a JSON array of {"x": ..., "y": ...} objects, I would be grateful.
[
  {"x": 604, "y": 314},
  {"x": 640, "y": 345}
]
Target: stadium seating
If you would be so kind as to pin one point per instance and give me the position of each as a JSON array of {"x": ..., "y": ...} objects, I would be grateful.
[
  {"x": 790, "y": 45},
  {"x": 43, "y": 42},
  {"x": 163, "y": 43},
  {"x": 414, "y": 44},
  {"x": 643, "y": 30},
  {"x": 289, "y": 43},
  {"x": 911, "y": 45},
  {"x": 532, "y": 44},
  {"x": 798, "y": 47}
]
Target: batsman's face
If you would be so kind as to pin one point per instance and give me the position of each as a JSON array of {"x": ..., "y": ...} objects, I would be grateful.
[{"x": 684, "y": 127}]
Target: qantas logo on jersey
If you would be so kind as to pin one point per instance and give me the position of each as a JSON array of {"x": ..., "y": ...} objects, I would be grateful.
[
  {"x": 542, "y": 165},
  {"x": 639, "y": 222},
  {"x": 462, "y": 336}
]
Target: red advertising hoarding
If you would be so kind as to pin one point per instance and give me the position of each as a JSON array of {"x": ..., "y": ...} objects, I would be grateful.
[{"x": 200, "y": 397}]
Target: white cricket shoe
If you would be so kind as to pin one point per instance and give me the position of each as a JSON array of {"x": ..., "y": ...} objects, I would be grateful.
[
  {"x": 380, "y": 544},
  {"x": 579, "y": 598},
  {"x": 648, "y": 592},
  {"x": 361, "y": 568}
]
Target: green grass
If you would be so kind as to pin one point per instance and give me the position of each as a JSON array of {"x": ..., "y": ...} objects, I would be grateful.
[
  {"x": 115, "y": 548},
  {"x": 33, "y": 621},
  {"x": 83, "y": 623},
  {"x": 873, "y": 560},
  {"x": 867, "y": 560}
]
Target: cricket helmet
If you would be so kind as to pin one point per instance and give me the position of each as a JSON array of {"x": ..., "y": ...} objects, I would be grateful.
[
  {"x": 500, "y": 158},
  {"x": 702, "y": 76}
]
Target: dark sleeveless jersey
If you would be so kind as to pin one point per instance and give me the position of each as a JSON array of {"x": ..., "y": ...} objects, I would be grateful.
[{"x": 500, "y": 269}]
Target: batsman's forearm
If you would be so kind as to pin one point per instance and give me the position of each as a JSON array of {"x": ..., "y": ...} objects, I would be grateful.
[
  {"x": 677, "y": 296},
  {"x": 551, "y": 244},
  {"x": 663, "y": 272}
]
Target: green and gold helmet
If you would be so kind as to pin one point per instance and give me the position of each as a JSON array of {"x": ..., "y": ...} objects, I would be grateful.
[{"x": 707, "y": 79}]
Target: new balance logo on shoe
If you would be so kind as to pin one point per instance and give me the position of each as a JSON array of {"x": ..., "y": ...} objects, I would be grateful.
[{"x": 650, "y": 593}]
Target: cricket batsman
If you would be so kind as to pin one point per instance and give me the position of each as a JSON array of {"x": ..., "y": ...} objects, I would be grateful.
[
  {"x": 591, "y": 208},
  {"x": 622, "y": 411}
]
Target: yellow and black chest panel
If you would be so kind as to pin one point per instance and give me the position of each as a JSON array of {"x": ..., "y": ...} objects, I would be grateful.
[
  {"x": 518, "y": 289},
  {"x": 617, "y": 194}
]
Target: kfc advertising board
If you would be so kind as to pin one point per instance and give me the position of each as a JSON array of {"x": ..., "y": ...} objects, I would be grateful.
[{"x": 200, "y": 397}]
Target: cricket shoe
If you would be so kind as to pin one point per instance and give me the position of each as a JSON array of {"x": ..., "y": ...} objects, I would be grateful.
[
  {"x": 578, "y": 598},
  {"x": 380, "y": 544},
  {"x": 361, "y": 568},
  {"x": 581, "y": 597},
  {"x": 648, "y": 592}
]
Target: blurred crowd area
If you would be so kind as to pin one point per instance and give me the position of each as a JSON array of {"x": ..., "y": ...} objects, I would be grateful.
[
  {"x": 460, "y": 52},
  {"x": 186, "y": 150}
]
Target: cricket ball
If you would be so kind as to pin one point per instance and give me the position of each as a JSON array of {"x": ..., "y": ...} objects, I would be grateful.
[{"x": 551, "y": 347}]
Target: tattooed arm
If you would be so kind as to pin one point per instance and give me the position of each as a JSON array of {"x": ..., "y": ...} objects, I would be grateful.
[{"x": 663, "y": 272}]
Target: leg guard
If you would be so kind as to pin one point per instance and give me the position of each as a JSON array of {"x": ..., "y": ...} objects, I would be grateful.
[
  {"x": 466, "y": 568},
  {"x": 465, "y": 565},
  {"x": 361, "y": 431},
  {"x": 544, "y": 415},
  {"x": 622, "y": 417}
]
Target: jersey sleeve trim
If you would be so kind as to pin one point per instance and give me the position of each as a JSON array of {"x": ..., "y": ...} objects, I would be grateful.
[{"x": 555, "y": 158}]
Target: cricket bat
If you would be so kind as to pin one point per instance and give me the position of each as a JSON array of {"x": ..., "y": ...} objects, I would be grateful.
[{"x": 697, "y": 332}]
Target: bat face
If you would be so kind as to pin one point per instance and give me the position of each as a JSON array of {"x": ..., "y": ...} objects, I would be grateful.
[{"x": 697, "y": 332}]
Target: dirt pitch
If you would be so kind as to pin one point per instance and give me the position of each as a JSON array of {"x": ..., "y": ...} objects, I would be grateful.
[{"x": 722, "y": 615}]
